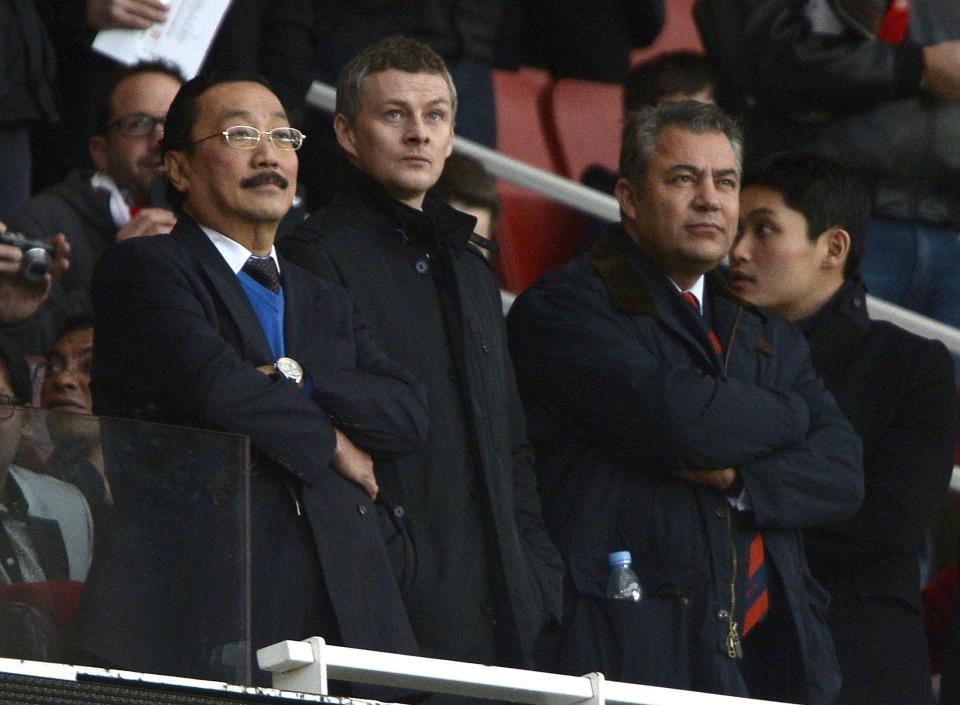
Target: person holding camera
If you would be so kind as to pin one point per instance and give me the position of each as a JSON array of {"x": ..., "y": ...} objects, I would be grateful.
[
  {"x": 27, "y": 271},
  {"x": 116, "y": 201}
]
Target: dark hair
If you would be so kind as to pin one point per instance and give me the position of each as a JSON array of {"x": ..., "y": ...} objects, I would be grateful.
[
  {"x": 464, "y": 179},
  {"x": 401, "y": 53},
  {"x": 672, "y": 72},
  {"x": 18, "y": 373},
  {"x": 827, "y": 194},
  {"x": 80, "y": 321},
  {"x": 103, "y": 105},
  {"x": 641, "y": 128},
  {"x": 183, "y": 114}
]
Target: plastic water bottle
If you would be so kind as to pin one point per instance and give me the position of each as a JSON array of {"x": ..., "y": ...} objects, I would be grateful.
[{"x": 623, "y": 583}]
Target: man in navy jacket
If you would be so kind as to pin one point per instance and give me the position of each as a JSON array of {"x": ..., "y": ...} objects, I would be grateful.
[{"x": 691, "y": 432}]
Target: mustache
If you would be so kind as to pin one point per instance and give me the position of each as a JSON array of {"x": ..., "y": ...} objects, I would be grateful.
[{"x": 265, "y": 177}]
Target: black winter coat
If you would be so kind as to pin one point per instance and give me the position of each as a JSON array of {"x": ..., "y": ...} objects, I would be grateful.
[
  {"x": 472, "y": 488},
  {"x": 622, "y": 388},
  {"x": 898, "y": 391}
]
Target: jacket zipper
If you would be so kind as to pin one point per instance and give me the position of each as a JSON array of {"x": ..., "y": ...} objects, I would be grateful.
[
  {"x": 733, "y": 333},
  {"x": 734, "y": 646}
]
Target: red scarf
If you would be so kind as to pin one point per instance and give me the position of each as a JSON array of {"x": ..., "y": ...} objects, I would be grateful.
[{"x": 893, "y": 29}]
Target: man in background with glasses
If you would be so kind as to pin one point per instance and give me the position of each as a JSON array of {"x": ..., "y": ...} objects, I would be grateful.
[
  {"x": 112, "y": 203},
  {"x": 209, "y": 328}
]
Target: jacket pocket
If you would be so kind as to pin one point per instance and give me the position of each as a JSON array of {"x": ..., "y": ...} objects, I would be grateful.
[
  {"x": 399, "y": 542},
  {"x": 641, "y": 642}
]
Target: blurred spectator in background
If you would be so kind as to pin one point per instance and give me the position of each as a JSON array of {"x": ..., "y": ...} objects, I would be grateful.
[
  {"x": 272, "y": 37},
  {"x": 27, "y": 70},
  {"x": 803, "y": 232},
  {"x": 875, "y": 85},
  {"x": 115, "y": 202},
  {"x": 46, "y": 530},
  {"x": 671, "y": 76},
  {"x": 467, "y": 186},
  {"x": 590, "y": 41},
  {"x": 77, "y": 455}
]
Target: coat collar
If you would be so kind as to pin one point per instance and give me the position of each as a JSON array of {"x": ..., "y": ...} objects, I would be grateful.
[
  {"x": 437, "y": 221},
  {"x": 627, "y": 274},
  {"x": 836, "y": 332},
  {"x": 638, "y": 288}
]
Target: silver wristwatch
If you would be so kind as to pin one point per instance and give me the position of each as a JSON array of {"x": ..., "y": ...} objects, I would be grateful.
[{"x": 290, "y": 369}]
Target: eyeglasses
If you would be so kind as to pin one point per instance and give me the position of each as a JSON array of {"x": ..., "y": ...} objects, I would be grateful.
[
  {"x": 246, "y": 137},
  {"x": 7, "y": 404},
  {"x": 57, "y": 365},
  {"x": 137, "y": 124}
]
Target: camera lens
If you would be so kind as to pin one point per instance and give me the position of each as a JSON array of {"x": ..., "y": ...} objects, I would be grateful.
[{"x": 36, "y": 263}]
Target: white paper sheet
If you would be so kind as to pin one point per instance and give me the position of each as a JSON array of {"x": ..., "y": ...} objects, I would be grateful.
[{"x": 182, "y": 39}]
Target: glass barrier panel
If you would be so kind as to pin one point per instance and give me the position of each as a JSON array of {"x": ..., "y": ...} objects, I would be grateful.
[{"x": 124, "y": 544}]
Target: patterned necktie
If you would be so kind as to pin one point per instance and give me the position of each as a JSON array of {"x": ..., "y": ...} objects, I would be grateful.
[
  {"x": 691, "y": 299},
  {"x": 264, "y": 271},
  {"x": 756, "y": 595}
]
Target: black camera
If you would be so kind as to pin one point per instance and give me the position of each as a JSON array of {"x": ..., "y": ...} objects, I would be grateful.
[{"x": 37, "y": 256}]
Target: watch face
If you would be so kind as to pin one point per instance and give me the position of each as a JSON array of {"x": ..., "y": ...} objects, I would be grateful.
[{"x": 290, "y": 368}]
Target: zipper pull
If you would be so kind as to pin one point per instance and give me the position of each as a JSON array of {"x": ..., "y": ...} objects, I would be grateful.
[{"x": 734, "y": 647}]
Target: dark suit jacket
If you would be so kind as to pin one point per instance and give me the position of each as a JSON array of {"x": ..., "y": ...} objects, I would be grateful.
[
  {"x": 177, "y": 341},
  {"x": 898, "y": 391}
]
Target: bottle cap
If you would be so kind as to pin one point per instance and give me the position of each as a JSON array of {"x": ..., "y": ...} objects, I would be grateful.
[{"x": 620, "y": 558}]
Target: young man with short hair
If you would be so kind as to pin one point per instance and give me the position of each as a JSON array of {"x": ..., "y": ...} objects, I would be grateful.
[{"x": 801, "y": 243}]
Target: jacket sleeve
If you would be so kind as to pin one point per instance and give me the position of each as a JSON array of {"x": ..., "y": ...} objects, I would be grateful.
[
  {"x": 908, "y": 472},
  {"x": 605, "y": 377},
  {"x": 378, "y": 405},
  {"x": 156, "y": 332},
  {"x": 543, "y": 565},
  {"x": 816, "y": 480},
  {"x": 806, "y": 60}
]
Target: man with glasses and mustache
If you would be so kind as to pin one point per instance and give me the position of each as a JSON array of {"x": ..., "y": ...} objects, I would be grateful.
[
  {"x": 93, "y": 209},
  {"x": 207, "y": 327}
]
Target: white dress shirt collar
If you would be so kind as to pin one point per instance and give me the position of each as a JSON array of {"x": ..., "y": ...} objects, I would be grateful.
[{"x": 232, "y": 251}]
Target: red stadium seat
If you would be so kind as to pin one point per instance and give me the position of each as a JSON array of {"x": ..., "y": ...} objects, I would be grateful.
[
  {"x": 583, "y": 123},
  {"x": 535, "y": 233},
  {"x": 535, "y": 236},
  {"x": 519, "y": 127}
]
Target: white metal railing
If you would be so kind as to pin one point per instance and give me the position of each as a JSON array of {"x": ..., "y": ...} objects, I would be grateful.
[
  {"x": 306, "y": 666},
  {"x": 604, "y": 206},
  {"x": 546, "y": 183},
  {"x": 311, "y": 662}
]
